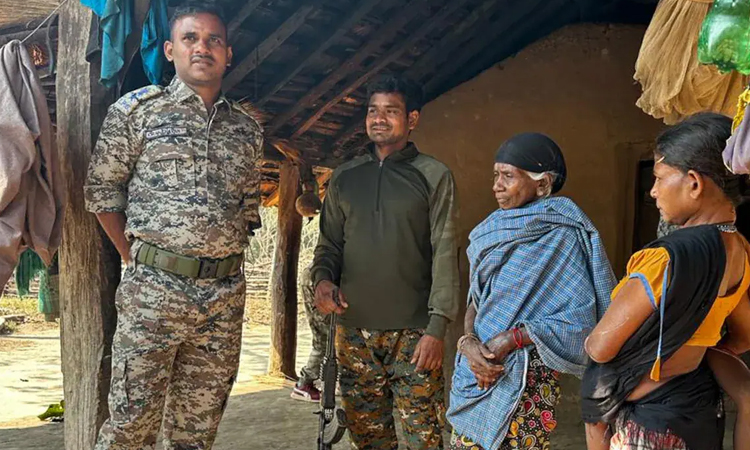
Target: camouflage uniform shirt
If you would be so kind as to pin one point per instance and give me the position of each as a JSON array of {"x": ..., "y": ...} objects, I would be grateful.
[{"x": 186, "y": 178}]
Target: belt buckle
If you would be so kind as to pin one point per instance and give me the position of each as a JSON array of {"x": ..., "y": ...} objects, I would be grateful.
[{"x": 208, "y": 269}]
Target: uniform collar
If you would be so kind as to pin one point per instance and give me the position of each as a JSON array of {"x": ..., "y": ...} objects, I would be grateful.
[{"x": 182, "y": 93}]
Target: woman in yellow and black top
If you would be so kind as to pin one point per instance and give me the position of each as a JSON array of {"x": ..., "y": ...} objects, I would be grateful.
[{"x": 653, "y": 379}]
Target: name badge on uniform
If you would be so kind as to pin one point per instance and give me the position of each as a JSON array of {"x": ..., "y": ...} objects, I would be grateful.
[{"x": 165, "y": 132}]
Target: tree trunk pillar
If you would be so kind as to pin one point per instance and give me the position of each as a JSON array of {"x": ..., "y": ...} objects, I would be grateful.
[
  {"x": 284, "y": 277},
  {"x": 89, "y": 264}
]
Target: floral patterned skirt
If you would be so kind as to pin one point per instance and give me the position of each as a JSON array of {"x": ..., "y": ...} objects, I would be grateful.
[{"x": 535, "y": 417}]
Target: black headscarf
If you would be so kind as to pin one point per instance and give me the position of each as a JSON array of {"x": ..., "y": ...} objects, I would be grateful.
[{"x": 535, "y": 153}]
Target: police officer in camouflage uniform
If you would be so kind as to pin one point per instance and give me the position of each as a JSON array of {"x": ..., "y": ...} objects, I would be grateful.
[
  {"x": 174, "y": 182},
  {"x": 387, "y": 239}
]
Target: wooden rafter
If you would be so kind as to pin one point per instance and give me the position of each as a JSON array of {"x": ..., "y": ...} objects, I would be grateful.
[
  {"x": 288, "y": 150},
  {"x": 383, "y": 35},
  {"x": 351, "y": 128},
  {"x": 483, "y": 38},
  {"x": 381, "y": 63},
  {"x": 273, "y": 199},
  {"x": 323, "y": 178},
  {"x": 428, "y": 61},
  {"x": 452, "y": 40},
  {"x": 519, "y": 36},
  {"x": 271, "y": 153},
  {"x": 241, "y": 16},
  {"x": 340, "y": 156},
  {"x": 265, "y": 48},
  {"x": 317, "y": 48}
]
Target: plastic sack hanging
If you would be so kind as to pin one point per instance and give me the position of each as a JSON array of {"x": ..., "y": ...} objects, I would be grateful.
[{"x": 724, "y": 39}]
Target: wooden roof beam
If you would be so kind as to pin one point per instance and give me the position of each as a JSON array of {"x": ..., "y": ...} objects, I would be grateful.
[
  {"x": 452, "y": 39},
  {"x": 381, "y": 63},
  {"x": 316, "y": 49},
  {"x": 271, "y": 153},
  {"x": 382, "y": 35},
  {"x": 265, "y": 48},
  {"x": 348, "y": 131},
  {"x": 242, "y": 15},
  {"x": 427, "y": 61},
  {"x": 484, "y": 37},
  {"x": 542, "y": 23},
  {"x": 340, "y": 157}
]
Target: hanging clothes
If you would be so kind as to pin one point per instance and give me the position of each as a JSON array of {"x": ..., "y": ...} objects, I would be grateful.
[
  {"x": 109, "y": 33},
  {"x": 675, "y": 85},
  {"x": 736, "y": 154},
  {"x": 155, "y": 33},
  {"x": 29, "y": 266},
  {"x": 116, "y": 23},
  {"x": 31, "y": 189}
]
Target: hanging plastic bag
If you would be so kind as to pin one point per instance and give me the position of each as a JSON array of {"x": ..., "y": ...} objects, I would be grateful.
[{"x": 724, "y": 40}]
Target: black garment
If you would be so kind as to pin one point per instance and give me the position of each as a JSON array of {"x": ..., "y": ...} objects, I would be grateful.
[
  {"x": 536, "y": 153},
  {"x": 686, "y": 404}
]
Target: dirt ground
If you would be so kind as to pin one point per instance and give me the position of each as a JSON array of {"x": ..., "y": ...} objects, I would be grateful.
[{"x": 260, "y": 414}]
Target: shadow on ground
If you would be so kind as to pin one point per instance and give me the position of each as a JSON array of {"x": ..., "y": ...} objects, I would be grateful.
[
  {"x": 265, "y": 419},
  {"x": 268, "y": 419}
]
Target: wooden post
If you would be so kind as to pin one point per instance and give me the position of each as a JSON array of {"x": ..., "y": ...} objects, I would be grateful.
[
  {"x": 284, "y": 277},
  {"x": 89, "y": 264}
]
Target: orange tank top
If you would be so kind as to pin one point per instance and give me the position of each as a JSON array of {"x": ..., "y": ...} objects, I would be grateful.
[{"x": 651, "y": 266}]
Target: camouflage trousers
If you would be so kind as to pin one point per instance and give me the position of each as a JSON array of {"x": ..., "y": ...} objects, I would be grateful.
[
  {"x": 320, "y": 327},
  {"x": 175, "y": 356},
  {"x": 375, "y": 369}
]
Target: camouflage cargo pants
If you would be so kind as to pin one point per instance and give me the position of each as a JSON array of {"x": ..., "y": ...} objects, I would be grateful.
[
  {"x": 375, "y": 369},
  {"x": 175, "y": 355}
]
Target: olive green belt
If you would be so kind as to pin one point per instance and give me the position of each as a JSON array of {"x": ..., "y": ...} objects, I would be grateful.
[{"x": 153, "y": 256}]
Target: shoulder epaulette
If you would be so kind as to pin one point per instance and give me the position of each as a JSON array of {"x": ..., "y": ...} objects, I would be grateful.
[{"x": 128, "y": 102}]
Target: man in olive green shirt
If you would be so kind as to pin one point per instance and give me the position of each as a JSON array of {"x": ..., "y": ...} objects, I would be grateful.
[{"x": 387, "y": 239}]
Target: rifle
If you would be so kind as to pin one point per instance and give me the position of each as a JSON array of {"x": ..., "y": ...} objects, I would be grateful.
[{"x": 332, "y": 419}]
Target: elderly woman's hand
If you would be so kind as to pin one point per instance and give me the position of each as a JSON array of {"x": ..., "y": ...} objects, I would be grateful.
[
  {"x": 501, "y": 346},
  {"x": 480, "y": 362}
]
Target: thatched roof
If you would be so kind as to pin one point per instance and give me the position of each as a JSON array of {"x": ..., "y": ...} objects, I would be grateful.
[{"x": 20, "y": 11}]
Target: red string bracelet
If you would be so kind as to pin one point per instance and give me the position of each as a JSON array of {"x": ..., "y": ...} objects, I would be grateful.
[{"x": 518, "y": 337}]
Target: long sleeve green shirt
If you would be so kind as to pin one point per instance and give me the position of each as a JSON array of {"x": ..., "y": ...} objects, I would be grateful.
[{"x": 388, "y": 239}]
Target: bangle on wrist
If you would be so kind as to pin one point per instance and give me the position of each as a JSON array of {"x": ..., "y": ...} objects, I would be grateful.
[
  {"x": 462, "y": 340},
  {"x": 518, "y": 337}
]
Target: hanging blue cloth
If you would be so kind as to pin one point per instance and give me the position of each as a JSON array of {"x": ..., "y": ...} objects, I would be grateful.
[
  {"x": 155, "y": 33},
  {"x": 116, "y": 19}
]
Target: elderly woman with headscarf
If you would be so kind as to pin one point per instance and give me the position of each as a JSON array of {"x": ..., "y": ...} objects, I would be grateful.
[{"x": 540, "y": 280}]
